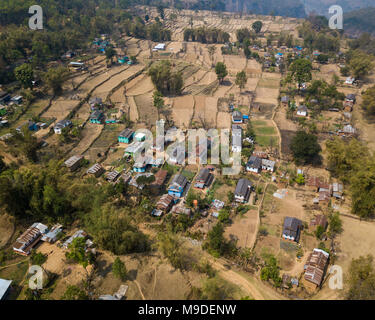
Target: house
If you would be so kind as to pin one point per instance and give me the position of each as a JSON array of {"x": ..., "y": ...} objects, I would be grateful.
[
  {"x": 261, "y": 154},
  {"x": 315, "y": 183},
  {"x": 337, "y": 190},
  {"x": 302, "y": 111},
  {"x": 165, "y": 203},
  {"x": 347, "y": 130},
  {"x": 237, "y": 117},
  {"x": 350, "y": 80},
  {"x": 125, "y": 178},
  {"x": 178, "y": 186},
  {"x": 112, "y": 176},
  {"x": 160, "y": 178},
  {"x": 160, "y": 46},
  {"x": 4, "y": 97},
  {"x": 29, "y": 239},
  {"x": 351, "y": 97},
  {"x": 254, "y": 164},
  {"x": 291, "y": 229},
  {"x": 236, "y": 138},
  {"x": 140, "y": 137},
  {"x": 134, "y": 148},
  {"x": 96, "y": 116},
  {"x": 177, "y": 156},
  {"x": 111, "y": 120},
  {"x": 285, "y": 100},
  {"x": 77, "y": 234},
  {"x": 181, "y": 210},
  {"x": 74, "y": 162},
  {"x": 126, "y": 136},
  {"x": 17, "y": 99},
  {"x": 204, "y": 179},
  {"x": 315, "y": 267},
  {"x": 97, "y": 170},
  {"x": 243, "y": 190},
  {"x": 31, "y": 125},
  {"x": 59, "y": 126},
  {"x": 268, "y": 165},
  {"x": 141, "y": 164},
  {"x": 95, "y": 102},
  {"x": 319, "y": 220},
  {"x": 5, "y": 286},
  {"x": 51, "y": 235}
]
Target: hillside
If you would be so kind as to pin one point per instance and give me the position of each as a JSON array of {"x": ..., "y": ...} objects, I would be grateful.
[
  {"x": 321, "y": 6},
  {"x": 360, "y": 21}
]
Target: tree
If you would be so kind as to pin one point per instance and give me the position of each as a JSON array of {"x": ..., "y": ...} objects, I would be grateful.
[
  {"x": 161, "y": 11},
  {"x": 221, "y": 71},
  {"x": 158, "y": 100},
  {"x": 335, "y": 224},
  {"x": 271, "y": 271},
  {"x": 361, "y": 279},
  {"x": 172, "y": 248},
  {"x": 25, "y": 74},
  {"x": 119, "y": 269},
  {"x": 165, "y": 80},
  {"x": 55, "y": 78},
  {"x": 368, "y": 102},
  {"x": 241, "y": 79},
  {"x": 305, "y": 148},
  {"x": 74, "y": 293},
  {"x": 257, "y": 26},
  {"x": 78, "y": 252},
  {"x": 300, "y": 71},
  {"x": 110, "y": 53},
  {"x": 360, "y": 64}
]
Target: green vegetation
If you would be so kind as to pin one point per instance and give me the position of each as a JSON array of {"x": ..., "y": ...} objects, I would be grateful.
[
  {"x": 77, "y": 252},
  {"x": 165, "y": 80},
  {"x": 305, "y": 148},
  {"x": 74, "y": 293},
  {"x": 38, "y": 258},
  {"x": 300, "y": 71},
  {"x": 241, "y": 79},
  {"x": 221, "y": 71},
  {"x": 257, "y": 26},
  {"x": 119, "y": 269},
  {"x": 271, "y": 270},
  {"x": 353, "y": 164},
  {"x": 55, "y": 78},
  {"x": 360, "y": 279},
  {"x": 216, "y": 243},
  {"x": 368, "y": 101},
  {"x": 25, "y": 75},
  {"x": 206, "y": 35}
]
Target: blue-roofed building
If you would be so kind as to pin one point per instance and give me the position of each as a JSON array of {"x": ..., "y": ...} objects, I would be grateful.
[
  {"x": 96, "y": 117},
  {"x": 141, "y": 164},
  {"x": 51, "y": 236},
  {"x": 126, "y": 136},
  {"x": 178, "y": 185}
]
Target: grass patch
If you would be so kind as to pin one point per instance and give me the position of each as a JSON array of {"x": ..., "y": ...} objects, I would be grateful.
[
  {"x": 265, "y": 130},
  {"x": 266, "y": 141},
  {"x": 259, "y": 123},
  {"x": 188, "y": 174}
]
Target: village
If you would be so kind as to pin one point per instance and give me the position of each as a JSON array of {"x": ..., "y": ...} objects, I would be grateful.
[{"x": 274, "y": 207}]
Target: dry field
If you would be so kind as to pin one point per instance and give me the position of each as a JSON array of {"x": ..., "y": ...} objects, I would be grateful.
[
  {"x": 6, "y": 228},
  {"x": 244, "y": 228}
]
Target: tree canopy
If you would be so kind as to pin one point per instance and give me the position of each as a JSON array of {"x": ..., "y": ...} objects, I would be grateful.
[{"x": 305, "y": 148}]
